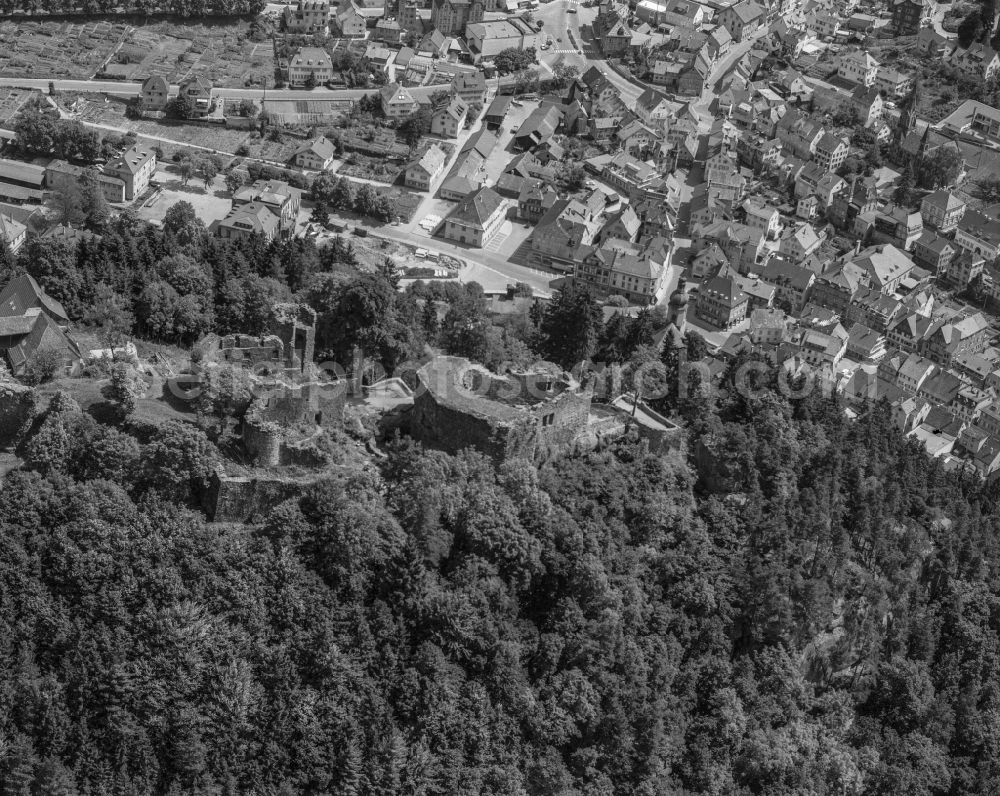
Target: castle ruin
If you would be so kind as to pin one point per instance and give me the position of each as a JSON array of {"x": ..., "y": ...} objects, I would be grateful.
[{"x": 532, "y": 414}]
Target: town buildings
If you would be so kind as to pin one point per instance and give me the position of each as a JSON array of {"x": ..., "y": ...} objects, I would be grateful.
[
  {"x": 942, "y": 210},
  {"x": 309, "y": 17},
  {"x": 134, "y": 169},
  {"x": 489, "y": 38},
  {"x": 31, "y": 322},
  {"x": 154, "y": 93},
  {"x": 397, "y": 101},
  {"x": 310, "y": 65},
  {"x": 906, "y": 16},
  {"x": 280, "y": 198},
  {"x": 315, "y": 155},
  {"x": 198, "y": 91},
  {"x": 449, "y": 119},
  {"x": 721, "y": 302},
  {"x": 423, "y": 172},
  {"x": 245, "y": 221},
  {"x": 858, "y": 67},
  {"x": 451, "y": 16},
  {"x": 476, "y": 219},
  {"x": 742, "y": 19}
]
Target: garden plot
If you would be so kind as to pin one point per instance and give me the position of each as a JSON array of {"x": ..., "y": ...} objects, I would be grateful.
[
  {"x": 153, "y": 53},
  {"x": 11, "y": 101},
  {"x": 57, "y": 50},
  {"x": 223, "y": 53}
]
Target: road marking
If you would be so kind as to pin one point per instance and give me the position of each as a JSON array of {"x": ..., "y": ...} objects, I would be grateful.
[{"x": 496, "y": 242}]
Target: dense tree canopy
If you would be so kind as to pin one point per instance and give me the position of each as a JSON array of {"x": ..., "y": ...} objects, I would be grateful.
[{"x": 792, "y": 603}]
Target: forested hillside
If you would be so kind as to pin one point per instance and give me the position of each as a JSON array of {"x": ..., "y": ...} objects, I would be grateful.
[{"x": 803, "y": 604}]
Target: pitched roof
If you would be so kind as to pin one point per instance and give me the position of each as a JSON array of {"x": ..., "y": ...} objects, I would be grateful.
[
  {"x": 256, "y": 217},
  {"x": 861, "y": 58},
  {"x": 319, "y": 146},
  {"x": 202, "y": 84},
  {"x": 312, "y": 56},
  {"x": 916, "y": 366},
  {"x": 396, "y": 93},
  {"x": 634, "y": 128},
  {"x": 540, "y": 124},
  {"x": 768, "y": 318},
  {"x": 913, "y": 327},
  {"x": 720, "y": 36},
  {"x": 971, "y": 325},
  {"x": 345, "y": 12},
  {"x": 10, "y": 229},
  {"x": 830, "y": 142},
  {"x": 432, "y": 160},
  {"x": 944, "y": 200},
  {"x": 500, "y": 105},
  {"x": 483, "y": 142},
  {"x": 477, "y": 208},
  {"x": 132, "y": 160},
  {"x": 866, "y": 95},
  {"x": 785, "y": 273},
  {"x": 456, "y": 108},
  {"x": 804, "y": 235},
  {"x": 17, "y": 171},
  {"x": 155, "y": 83},
  {"x": 747, "y": 11},
  {"x": 723, "y": 290},
  {"x": 23, "y": 293},
  {"x": 44, "y": 334},
  {"x": 651, "y": 99},
  {"x": 981, "y": 226},
  {"x": 467, "y": 81},
  {"x": 885, "y": 264},
  {"x": 13, "y": 325}
]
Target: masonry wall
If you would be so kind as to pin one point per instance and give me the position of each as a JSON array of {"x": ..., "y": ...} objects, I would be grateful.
[
  {"x": 450, "y": 430},
  {"x": 262, "y": 440},
  {"x": 246, "y": 498},
  {"x": 528, "y": 437},
  {"x": 570, "y": 411}
]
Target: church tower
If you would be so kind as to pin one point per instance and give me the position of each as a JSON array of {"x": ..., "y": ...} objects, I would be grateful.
[
  {"x": 678, "y": 306},
  {"x": 908, "y": 116}
]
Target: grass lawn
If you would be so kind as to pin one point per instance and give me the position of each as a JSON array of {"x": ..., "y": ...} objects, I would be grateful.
[
  {"x": 406, "y": 201},
  {"x": 275, "y": 151},
  {"x": 111, "y": 111}
]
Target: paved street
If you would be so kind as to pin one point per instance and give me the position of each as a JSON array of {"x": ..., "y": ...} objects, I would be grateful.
[
  {"x": 558, "y": 21},
  {"x": 124, "y": 88},
  {"x": 493, "y": 271}
]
